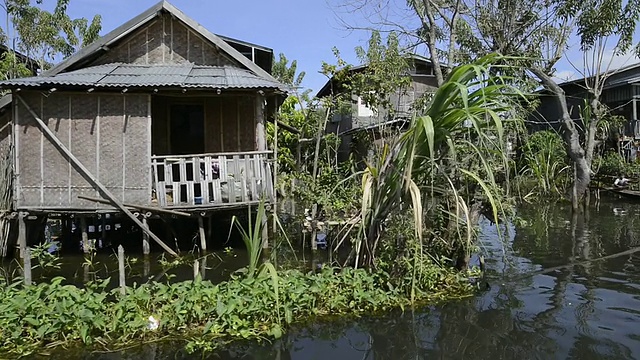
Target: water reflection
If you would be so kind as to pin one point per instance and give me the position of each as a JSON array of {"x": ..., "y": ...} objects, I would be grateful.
[{"x": 588, "y": 311}]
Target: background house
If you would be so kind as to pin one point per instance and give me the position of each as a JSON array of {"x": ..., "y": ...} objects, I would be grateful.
[
  {"x": 620, "y": 94},
  {"x": 376, "y": 122}
]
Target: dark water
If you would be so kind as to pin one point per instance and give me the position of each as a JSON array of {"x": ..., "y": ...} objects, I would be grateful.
[{"x": 589, "y": 311}]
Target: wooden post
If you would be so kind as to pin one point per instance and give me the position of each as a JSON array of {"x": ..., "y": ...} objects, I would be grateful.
[
  {"x": 86, "y": 247},
  {"x": 146, "y": 247},
  {"x": 103, "y": 235},
  {"x": 261, "y": 138},
  {"x": 22, "y": 234},
  {"x": 123, "y": 285},
  {"x": 275, "y": 171},
  {"x": 196, "y": 269},
  {"x": 146, "y": 267},
  {"x": 27, "y": 267},
  {"x": 265, "y": 232},
  {"x": 314, "y": 227},
  {"x": 203, "y": 237},
  {"x": 90, "y": 177},
  {"x": 203, "y": 267}
]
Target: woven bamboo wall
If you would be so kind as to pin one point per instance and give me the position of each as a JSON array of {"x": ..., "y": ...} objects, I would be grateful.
[
  {"x": 165, "y": 41},
  {"x": 230, "y": 123},
  {"x": 108, "y": 134},
  {"x": 5, "y": 133}
]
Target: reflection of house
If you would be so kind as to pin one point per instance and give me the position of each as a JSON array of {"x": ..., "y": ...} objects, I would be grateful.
[
  {"x": 160, "y": 112},
  {"x": 620, "y": 94},
  {"x": 376, "y": 121}
]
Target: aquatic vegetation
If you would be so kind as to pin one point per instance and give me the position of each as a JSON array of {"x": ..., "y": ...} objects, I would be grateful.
[{"x": 40, "y": 317}]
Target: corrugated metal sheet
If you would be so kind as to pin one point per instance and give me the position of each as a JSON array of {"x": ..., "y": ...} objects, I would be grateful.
[{"x": 131, "y": 75}]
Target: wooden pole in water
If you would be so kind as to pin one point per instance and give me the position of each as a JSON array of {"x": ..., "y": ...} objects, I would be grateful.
[
  {"x": 86, "y": 248},
  {"x": 146, "y": 247},
  {"x": 123, "y": 285},
  {"x": 22, "y": 234},
  {"x": 203, "y": 237},
  {"x": 196, "y": 269},
  {"x": 27, "y": 267},
  {"x": 89, "y": 176}
]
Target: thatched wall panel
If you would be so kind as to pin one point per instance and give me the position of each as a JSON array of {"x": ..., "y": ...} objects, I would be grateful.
[
  {"x": 138, "y": 48},
  {"x": 247, "y": 110},
  {"x": 165, "y": 41},
  {"x": 5, "y": 133},
  {"x": 180, "y": 42},
  {"x": 84, "y": 141},
  {"x": 137, "y": 150},
  {"x": 55, "y": 113},
  {"x": 196, "y": 51},
  {"x": 213, "y": 125},
  {"x": 29, "y": 141},
  {"x": 156, "y": 43},
  {"x": 111, "y": 141}
]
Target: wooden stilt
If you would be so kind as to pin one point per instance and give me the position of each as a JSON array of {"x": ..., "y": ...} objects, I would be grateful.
[
  {"x": 51, "y": 136},
  {"x": 146, "y": 247},
  {"x": 203, "y": 267},
  {"x": 122, "y": 280},
  {"x": 314, "y": 227},
  {"x": 86, "y": 247},
  {"x": 22, "y": 234},
  {"x": 146, "y": 269},
  {"x": 203, "y": 237},
  {"x": 103, "y": 235},
  {"x": 196, "y": 269},
  {"x": 265, "y": 232},
  {"x": 27, "y": 267}
]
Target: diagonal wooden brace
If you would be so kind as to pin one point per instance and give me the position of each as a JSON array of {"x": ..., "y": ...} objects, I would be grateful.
[{"x": 90, "y": 178}]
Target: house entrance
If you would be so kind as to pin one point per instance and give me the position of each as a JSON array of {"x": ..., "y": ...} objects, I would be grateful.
[{"x": 187, "y": 129}]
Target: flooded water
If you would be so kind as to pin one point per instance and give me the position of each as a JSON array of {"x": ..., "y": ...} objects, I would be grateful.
[{"x": 586, "y": 311}]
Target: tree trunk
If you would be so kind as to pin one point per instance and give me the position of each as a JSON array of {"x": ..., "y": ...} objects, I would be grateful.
[{"x": 571, "y": 135}]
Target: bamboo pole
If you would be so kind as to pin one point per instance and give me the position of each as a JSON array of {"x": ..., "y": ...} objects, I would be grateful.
[
  {"x": 121, "y": 275},
  {"x": 27, "y": 267},
  {"x": 89, "y": 176},
  {"x": 22, "y": 234},
  {"x": 86, "y": 248},
  {"x": 203, "y": 237},
  {"x": 137, "y": 207},
  {"x": 196, "y": 269},
  {"x": 146, "y": 247}
]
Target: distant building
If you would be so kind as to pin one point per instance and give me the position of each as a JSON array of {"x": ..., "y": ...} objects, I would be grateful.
[
  {"x": 376, "y": 121},
  {"x": 621, "y": 93}
]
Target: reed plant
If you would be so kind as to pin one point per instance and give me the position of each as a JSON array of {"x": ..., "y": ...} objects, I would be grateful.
[{"x": 422, "y": 167}]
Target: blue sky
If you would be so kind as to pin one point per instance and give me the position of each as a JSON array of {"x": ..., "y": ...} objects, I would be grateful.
[{"x": 304, "y": 30}]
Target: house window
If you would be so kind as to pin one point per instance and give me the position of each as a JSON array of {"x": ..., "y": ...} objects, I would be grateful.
[{"x": 363, "y": 109}]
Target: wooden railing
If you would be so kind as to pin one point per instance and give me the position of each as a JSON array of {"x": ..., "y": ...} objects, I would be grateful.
[{"x": 207, "y": 180}]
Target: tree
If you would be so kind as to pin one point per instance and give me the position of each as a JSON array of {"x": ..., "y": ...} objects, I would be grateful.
[
  {"x": 533, "y": 35},
  {"x": 46, "y": 36}
]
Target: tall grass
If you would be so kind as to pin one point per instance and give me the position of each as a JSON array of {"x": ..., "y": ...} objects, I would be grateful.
[{"x": 422, "y": 164}]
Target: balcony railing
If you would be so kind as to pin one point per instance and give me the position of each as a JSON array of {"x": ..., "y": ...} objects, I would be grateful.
[{"x": 207, "y": 180}]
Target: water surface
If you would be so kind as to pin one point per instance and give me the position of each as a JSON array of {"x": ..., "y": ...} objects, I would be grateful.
[{"x": 589, "y": 311}]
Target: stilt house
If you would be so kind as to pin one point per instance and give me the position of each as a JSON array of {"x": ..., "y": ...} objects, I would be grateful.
[{"x": 160, "y": 112}]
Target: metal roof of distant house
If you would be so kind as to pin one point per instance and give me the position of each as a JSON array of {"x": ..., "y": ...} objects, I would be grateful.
[
  {"x": 629, "y": 74},
  {"x": 149, "y": 76},
  {"x": 325, "y": 90},
  {"x": 101, "y": 45}
]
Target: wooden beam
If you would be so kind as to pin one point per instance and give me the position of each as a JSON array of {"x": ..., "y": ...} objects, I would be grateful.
[
  {"x": 90, "y": 178},
  {"x": 137, "y": 207},
  {"x": 203, "y": 237}
]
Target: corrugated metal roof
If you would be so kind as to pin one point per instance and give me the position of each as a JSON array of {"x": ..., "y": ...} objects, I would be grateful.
[{"x": 134, "y": 75}]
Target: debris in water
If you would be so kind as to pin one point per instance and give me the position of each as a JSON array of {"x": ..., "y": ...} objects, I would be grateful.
[{"x": 153, "y": 323}]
